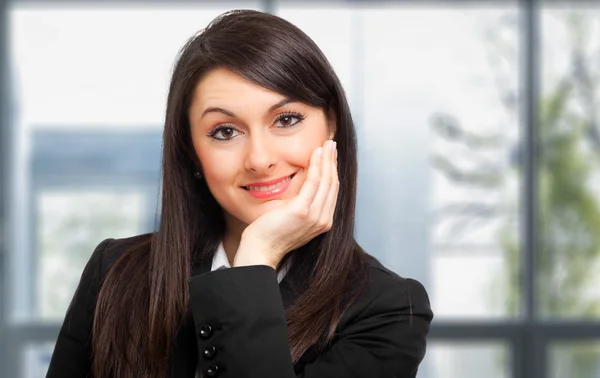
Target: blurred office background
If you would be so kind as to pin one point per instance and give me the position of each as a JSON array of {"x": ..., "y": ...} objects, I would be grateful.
[{"x": 479, "y": 142}]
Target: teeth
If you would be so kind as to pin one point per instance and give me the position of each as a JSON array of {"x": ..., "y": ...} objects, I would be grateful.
[{"x": 268, "y": 188}]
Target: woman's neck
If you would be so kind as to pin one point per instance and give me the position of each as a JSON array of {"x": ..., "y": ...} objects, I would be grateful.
[
  {"x": 232, "y": 238},
  {"x": 231, "y": 244}
]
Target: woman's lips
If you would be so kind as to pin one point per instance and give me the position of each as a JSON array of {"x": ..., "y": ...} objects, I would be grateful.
[{"x": 270, "y": 191}]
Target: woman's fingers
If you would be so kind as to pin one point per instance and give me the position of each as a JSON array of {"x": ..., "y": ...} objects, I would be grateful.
[
  {"x": 318, "y": 196},
  {"x": 327, "y": 184},
  {"x": 309, "y": 188},
  {"x": 332, "y": 196}
]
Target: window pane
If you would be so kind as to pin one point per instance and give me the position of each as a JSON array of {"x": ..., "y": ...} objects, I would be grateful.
[
  {"x": 36, "y": 360},
  {"x": 569, "y": 165},
  {"x": 575, "y": 360},
  {"x": 466, "y": 360},
  {"x": 439, "y": 135},
  {"x": 70, "y": 224}
]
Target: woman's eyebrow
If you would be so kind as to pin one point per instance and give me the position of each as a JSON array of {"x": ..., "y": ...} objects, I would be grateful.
[
  {"x": 214, "y": 109},
  {"x": 285, "y": 101}
]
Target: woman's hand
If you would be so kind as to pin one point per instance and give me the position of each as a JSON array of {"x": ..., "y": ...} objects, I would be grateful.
[{"x": 277, "y": 232}]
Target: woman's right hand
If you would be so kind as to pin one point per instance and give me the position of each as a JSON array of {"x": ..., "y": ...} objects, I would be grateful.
[{"x": 271, "y": 236}]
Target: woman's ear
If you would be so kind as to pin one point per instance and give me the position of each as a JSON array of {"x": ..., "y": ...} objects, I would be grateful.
[{"x": 332, "y": 123}]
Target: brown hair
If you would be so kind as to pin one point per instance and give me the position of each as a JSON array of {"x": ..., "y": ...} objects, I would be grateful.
[{"x": 144, "y": 298}]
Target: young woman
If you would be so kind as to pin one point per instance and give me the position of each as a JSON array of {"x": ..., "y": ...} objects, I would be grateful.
[{"x": 259, "y": 176}]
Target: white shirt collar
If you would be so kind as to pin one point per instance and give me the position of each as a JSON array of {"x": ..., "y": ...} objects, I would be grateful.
[{"x": 220, "y": 261}]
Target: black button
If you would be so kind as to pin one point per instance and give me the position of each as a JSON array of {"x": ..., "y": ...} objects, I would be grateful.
[
  {"x": 209, "y": 352},
  {"x": 212, "y": 370},
  {"x": 206, "y": 331}
]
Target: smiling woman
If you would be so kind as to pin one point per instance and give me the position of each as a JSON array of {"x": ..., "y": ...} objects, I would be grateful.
[{"x": 259, "y": 176}]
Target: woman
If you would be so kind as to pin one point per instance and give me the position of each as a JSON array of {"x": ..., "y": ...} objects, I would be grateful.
[{"x": 253, "y": 180}]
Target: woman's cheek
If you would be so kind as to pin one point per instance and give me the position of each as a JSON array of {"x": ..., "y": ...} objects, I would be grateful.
[
  {"x": 217, "y": 180},
  {"x": 299, "y": 153}
]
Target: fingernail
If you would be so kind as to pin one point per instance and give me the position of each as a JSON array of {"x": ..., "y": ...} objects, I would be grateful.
[{"x": 319, "y": 151}]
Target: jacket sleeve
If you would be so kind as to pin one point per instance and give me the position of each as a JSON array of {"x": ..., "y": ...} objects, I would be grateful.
[
  {"x": 242, "y": 332},
  {"x": 72, "y": 352}
]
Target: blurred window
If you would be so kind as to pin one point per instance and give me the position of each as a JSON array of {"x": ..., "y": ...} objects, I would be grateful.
[{"x": 439, "y": 95}]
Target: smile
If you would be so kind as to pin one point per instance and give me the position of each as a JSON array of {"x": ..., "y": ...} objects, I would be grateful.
[{"x": 270, "y": 189}]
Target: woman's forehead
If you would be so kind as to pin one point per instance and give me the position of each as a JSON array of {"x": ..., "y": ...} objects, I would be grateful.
[{"x": 222, "y": 85}]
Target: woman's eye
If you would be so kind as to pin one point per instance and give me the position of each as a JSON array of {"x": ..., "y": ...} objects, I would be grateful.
[
  {"x": 224, "y": 133},
  {"x": 288, "y": 120}
]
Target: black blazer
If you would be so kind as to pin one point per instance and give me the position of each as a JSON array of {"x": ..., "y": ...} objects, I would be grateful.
[{"x": 238, "y": 327}]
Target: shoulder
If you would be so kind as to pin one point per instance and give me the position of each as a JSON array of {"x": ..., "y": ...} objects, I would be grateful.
[
  {"x": 103, "y": 257},
  {"x": 110, "y": 250},
  {"x": 388, "y": 292},
  {"x": 384, "y": 279}
]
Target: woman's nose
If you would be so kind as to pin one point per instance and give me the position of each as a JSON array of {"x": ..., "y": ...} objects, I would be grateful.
[{"x": 261, "y": 154}]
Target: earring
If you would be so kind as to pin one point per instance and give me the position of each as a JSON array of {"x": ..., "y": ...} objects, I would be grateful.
[{"x": 198, "y": 175}]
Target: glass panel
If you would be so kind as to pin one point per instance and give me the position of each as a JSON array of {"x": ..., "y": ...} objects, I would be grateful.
[
  {"x": 439, "y": 135},
  {"x": 569, "y": 166},
  {"x": 36, "y": 360},
  {"x": 71, "y": 69},
  {"x": 466, "y": 360},
  {"x": 483, "y": 293},
  {"x": 575, "y": 360},
  {"x": 70, "y": 224}
]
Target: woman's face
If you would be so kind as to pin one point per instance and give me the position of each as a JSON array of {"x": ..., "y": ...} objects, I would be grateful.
[{"x": 248, "y": 139}]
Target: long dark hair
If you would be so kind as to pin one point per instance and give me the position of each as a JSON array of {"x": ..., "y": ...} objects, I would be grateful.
[{"x": 144, "y": 297}]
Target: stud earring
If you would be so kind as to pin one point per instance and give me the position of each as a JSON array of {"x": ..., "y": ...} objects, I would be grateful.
[{"x": 198, "y": 175}]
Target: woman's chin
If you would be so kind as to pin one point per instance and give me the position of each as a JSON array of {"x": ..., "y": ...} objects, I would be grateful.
[
  {"x": 263, "y": 208},
  {"x": 270, "y": 205}
]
